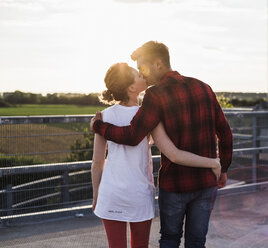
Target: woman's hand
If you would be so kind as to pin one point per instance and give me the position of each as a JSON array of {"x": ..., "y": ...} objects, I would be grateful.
[
  {"x": 217, "y": 168},
  {"x": 150, "y": 140}
]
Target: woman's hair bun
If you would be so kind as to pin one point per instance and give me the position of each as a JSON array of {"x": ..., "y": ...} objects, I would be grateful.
[
  {"x": 117, "y": 80},
  {"x": 107, "y": 96}
]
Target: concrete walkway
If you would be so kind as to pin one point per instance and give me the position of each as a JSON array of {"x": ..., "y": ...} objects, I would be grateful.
[{"x": 238, "y": 221}]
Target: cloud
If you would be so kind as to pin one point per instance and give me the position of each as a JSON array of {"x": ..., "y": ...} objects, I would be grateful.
[
  {"x": 85, "y": 37},
  {"x": 140, "y": 1},
  {"x": 34, "y": 9}
]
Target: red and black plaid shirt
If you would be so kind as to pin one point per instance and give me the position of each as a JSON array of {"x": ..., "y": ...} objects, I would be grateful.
[{"x": 193, "y": 120}]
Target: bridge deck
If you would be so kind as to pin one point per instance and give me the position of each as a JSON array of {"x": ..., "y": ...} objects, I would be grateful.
[{"x": 237, "y": 221}]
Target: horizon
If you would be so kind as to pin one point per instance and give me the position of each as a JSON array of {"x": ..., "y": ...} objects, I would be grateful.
[
  {"x": 67, "y": 46},
  {"x": 87, "y": 93}
]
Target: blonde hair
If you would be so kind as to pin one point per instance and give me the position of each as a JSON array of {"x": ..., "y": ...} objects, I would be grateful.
[{"x": 151, "y": 51}]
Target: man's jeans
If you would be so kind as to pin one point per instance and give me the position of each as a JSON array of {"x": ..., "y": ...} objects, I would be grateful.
[{"x": 195, "y": 207}]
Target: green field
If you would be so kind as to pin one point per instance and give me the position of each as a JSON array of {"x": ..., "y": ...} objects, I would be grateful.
[{"x": 40, "y": 109}]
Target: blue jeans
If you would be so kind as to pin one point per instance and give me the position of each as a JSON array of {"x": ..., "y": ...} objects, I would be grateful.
[{"x": 195, "y": 207}]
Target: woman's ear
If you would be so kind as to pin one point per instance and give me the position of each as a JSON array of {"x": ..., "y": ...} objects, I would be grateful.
[{"x": 132, "y": 88}]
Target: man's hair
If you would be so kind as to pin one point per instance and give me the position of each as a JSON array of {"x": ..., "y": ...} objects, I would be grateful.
[{"x": 151, "y": 51}]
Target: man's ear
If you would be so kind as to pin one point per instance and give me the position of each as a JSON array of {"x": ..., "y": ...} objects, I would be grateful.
[{"x": 158, "y": 64}]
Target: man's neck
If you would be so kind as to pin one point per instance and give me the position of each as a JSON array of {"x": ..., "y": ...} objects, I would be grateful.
[{"x": 164, "y": 72}]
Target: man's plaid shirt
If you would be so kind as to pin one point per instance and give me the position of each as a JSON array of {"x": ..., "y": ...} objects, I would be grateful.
[{"x": 193, "y": 120}]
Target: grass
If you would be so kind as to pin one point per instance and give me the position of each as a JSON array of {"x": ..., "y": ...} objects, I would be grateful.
[
  {"x": 48, "y": 109},
  {"x": 43, "y": 142},
  {"x": 76, "y": 127},
  {"x": 50, "y": 142}
]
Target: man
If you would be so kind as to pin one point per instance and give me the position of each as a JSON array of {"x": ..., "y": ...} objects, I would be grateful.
[{"x": 193, "y": 120}]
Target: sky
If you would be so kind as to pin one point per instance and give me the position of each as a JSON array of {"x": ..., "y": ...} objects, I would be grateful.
[{"x": 63, "y": 46}]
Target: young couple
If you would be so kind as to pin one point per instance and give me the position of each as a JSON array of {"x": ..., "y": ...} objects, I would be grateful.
[{"x": 186, "y": 122}]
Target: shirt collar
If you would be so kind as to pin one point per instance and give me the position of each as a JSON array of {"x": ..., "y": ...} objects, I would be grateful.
[{"x": 171, "y": 74}]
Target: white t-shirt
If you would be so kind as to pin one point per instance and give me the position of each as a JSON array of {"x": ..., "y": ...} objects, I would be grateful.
[{"x": 126, "y": 191}]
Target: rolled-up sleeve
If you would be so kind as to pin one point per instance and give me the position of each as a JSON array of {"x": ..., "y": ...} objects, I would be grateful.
[{"x": 225, "y": 138}]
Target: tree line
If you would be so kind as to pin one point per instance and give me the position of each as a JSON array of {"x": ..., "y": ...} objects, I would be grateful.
[
  {"x": 242, "y": 99},
  {"x": 18, "y": 97}
]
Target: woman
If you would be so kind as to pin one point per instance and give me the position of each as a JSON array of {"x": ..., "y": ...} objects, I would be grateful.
[{"x": 123, "y": 189}]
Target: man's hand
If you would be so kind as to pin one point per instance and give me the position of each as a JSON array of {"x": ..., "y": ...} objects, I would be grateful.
[
  {"x": 98, "y": 116},
  {"x": 222, "y": 181}
]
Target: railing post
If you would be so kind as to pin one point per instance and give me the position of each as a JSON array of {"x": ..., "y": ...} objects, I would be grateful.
[
  {"x": 255, "y": 155},
  {"x": 9, "y": 199},
  {"x": 65, "y": 197}
]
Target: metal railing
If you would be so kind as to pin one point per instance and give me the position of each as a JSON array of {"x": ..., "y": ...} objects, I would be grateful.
[
  {"x": 40, "y": 170},
  {"x": 42, "y": 139}
]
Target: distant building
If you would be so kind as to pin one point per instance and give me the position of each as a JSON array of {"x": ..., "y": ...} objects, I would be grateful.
[{"x": 69, "y": 94}]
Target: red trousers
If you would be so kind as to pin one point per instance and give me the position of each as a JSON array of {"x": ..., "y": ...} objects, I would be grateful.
[{"x": 116, "y": 232}]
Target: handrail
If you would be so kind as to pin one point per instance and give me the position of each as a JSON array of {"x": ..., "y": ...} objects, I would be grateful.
[
  {"x": 27, "y": 169},
  {"x": 37, "y": 168},
  {"x": 37, "y": 119}
]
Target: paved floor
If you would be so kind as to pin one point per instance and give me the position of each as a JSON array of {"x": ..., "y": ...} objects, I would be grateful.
[{"x": 238, "y": 221}]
